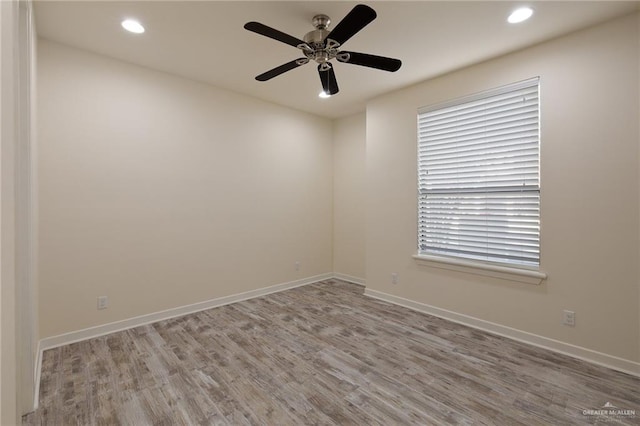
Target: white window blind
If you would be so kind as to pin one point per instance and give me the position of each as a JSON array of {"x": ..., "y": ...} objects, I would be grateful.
[{"x": 478, "y": 176}]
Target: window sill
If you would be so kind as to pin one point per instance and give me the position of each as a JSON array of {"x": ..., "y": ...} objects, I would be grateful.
[{"x": 522, "y": 275}]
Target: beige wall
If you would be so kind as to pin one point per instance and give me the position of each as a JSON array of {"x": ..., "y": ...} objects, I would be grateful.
[
  {"x": 160, "y": 192},
  {"x": 638, "y": 259},
  {"x": 27, "y": 212},
  {"x": 349, "y": 139},
  {"x": 9, "y": 366},
  {"x": 18, "y": 333},
  {"x": 589, "y": 201}
]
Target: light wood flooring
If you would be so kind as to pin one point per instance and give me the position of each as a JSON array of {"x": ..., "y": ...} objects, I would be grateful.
[{"x": 322, "y": 354}]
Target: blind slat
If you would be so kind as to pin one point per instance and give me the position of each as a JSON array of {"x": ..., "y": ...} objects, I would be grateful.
[{"x": 478, "y": 176}]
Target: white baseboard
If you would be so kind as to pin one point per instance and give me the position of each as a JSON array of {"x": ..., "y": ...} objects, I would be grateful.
[
  {"x": 585, "y": 354},
  {"x": 101, "y": 330},
  {"x": 113, "y": 327},
  {"x": 589, "y": 355},
  {"x": 349, "y": 278}
]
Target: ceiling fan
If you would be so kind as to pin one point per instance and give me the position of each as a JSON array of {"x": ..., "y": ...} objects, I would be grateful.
[{"x": 322, "y": 45}]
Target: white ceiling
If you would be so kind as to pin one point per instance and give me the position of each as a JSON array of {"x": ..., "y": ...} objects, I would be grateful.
[{"x": 206, "y": 41}]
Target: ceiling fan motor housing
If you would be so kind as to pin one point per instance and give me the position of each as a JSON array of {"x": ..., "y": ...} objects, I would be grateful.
[
  {"x": 315, "y": 38},
  {"x": 318, "y": 47}
]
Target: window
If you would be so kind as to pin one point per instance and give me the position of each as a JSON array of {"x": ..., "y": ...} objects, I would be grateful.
[{"x": 478, "y": 177}]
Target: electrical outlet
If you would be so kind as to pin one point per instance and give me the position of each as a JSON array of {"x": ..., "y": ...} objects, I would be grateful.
[
  {"x": 297, "y": 265},
  {"x": 569, "y": 318},
  {"x": 103, "y": 302},
  {"x": 394, "y": 278}
]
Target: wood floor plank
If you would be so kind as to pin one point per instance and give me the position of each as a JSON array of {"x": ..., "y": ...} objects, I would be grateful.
[{"x": 322, "y": 354}]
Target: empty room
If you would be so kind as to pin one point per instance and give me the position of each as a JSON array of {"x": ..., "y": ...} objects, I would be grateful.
[{"x": 327, "y": 213}]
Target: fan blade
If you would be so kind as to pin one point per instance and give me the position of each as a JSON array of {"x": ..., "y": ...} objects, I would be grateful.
[
  {"x": 328, "y": 79},
  {"x": 371, "y": 61},
  {"x": 262, "y": 29},
  {"x": 359, "y": 17},
  {"x": 282, "y": 69}
]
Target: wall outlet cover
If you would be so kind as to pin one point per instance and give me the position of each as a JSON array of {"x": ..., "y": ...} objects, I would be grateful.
[{"x": 103, "y": 302}]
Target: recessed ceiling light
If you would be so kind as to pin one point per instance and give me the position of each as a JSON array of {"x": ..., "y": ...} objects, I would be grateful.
[
  {"x": 520, "y": 15},
  {"x": 324, "y": 95},
  {"x": 133, "y": 26}
]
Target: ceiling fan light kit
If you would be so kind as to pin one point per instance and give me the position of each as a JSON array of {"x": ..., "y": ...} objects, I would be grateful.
[{"x": 323, "y": 45}]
